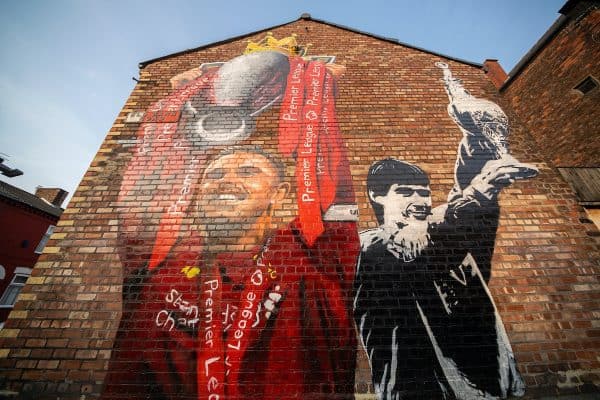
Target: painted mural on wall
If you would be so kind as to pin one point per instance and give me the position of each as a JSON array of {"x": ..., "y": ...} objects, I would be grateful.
[
  {"x": 243, "y": 282},
  {"x": 230, "y": 296},
  {"x": 423, "y": 309}
]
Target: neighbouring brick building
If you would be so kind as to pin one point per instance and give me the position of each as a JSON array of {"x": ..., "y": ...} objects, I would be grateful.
[
  {"x": 27, "y": 222},
  {"x": 267, "y": 221},
  {"x": 555, "y": 91}
]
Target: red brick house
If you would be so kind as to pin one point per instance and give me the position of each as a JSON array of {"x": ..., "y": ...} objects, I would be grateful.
[{"x": 27, "y": 222}]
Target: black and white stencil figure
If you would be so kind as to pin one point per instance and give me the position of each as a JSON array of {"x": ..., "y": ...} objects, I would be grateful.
[{"x": 424, "y": 312}]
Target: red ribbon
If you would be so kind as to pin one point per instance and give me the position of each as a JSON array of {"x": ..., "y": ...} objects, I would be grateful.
[
  {"x": 210, "y": 367},
  {"x": 164, "y": 155},
  {"x": 308, "y": 193},
  {"x": 218, "y": 367},
  {"x": 313, "y": 136},
  {"x": 329, "y": 147},
  {"x": 290, "y": 115}
]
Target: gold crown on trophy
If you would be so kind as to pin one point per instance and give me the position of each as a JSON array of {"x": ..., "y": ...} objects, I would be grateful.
[{"x": 287, "y": 45}]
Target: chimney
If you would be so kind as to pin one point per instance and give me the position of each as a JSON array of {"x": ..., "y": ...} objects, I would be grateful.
[
  {"x": 495, "y": 72},
  {"x": 55, "y": 196}
]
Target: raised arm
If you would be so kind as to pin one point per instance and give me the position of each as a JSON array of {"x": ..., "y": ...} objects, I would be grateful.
[
  {"x": 484, "y": 188},
  {"x": 483, "y": 164},
  {"x": 484, "y": 126}
]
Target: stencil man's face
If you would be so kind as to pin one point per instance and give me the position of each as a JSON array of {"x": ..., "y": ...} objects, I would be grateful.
[{"x": 404, "y": 204}]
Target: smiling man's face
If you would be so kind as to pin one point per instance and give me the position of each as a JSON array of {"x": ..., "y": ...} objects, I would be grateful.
[
  {"x": 239, "y": 191},
  {"x": 405, "y": 204},
  {"x": 406, "y": 211}
]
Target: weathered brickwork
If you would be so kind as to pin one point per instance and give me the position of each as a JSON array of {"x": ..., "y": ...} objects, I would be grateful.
[
  {"x": 562, "y": 120},
  {"x": 529, "y": 262}
]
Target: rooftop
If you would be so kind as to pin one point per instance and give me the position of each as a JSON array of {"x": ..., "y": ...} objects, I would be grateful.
[
  {"x": 10, "y": 192},
  {"x": 308, "y": 17}
]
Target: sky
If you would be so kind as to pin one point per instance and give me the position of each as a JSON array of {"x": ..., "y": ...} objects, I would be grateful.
[{"x": 66, "y": 66}]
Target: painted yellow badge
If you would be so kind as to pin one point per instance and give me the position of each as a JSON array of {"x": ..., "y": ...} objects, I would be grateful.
[
  {"x": 271, "y": 271},
  {"x": 190, "y": 272}
]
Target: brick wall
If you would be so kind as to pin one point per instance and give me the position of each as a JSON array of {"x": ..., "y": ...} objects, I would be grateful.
[
  {"x": 391, "y": 102},
  {"x": 561, "y": 119}
]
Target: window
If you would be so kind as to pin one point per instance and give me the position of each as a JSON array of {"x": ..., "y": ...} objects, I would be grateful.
[
  {"x": 9, "y": 297},
  {"x": 40, "y": 247},
  {"x": 587, "y": 85}
]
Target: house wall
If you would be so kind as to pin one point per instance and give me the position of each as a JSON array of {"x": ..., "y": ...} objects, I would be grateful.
[
  {"x": 510, "y": 271},
  {"x": 21, "y": 231},
  {"x": 562, "y": 120}
]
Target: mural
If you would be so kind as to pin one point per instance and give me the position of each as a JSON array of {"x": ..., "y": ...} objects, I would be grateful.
[
  {"x": 242, "y": 282},
  {"x": 233, "y": 296},
  {"x": 423, "y": 309}
]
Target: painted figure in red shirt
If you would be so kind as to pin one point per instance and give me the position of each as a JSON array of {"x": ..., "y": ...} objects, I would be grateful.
[{"x": 241, "y": 310}]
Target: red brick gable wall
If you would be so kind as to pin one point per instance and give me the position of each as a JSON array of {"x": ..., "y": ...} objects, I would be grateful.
[{"x": 390, "y": 103}]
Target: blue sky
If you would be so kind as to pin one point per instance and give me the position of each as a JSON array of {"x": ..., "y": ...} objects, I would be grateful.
[{"x": 66, "y": 66}]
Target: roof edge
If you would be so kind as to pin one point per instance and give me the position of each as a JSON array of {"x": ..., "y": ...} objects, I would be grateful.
[
  {"x": 396, "y": 41},
  {"x": 537, "y": 47},
  {"x": 144, "y": 64},
  {"x": 36, "y": 210},
  {"x": 28, "y": 200},
  {"x": 306, "y": 16}
]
